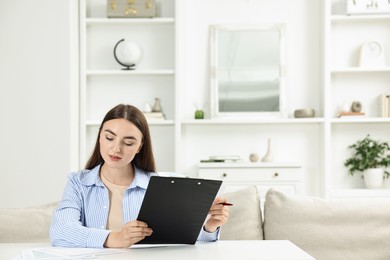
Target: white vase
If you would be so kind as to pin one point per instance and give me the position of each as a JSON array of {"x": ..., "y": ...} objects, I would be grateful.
[
  {"x": 373, "y": 178},
  {"x": 268, "y": 156},
  {"x": 157, "y": 105}
]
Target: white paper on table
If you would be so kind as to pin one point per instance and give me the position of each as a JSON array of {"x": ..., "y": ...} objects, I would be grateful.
[
  {"x": 137, "y": 246},
  {"x": 67, "y": 253}
]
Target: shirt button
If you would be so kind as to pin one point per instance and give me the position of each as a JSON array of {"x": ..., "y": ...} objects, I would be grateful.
[
  {"x": 104, "y": 207},
  {"x": 102, "y": 227}
]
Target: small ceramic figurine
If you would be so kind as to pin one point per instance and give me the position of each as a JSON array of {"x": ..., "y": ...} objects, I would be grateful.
[
  {"x": 356, "y": 106},
  {"x": 253, "y": 157}
]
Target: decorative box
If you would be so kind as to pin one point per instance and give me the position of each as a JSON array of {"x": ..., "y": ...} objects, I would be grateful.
[
  {"x": 368, "y": 6},
  {"x": 131, "y": 8}
]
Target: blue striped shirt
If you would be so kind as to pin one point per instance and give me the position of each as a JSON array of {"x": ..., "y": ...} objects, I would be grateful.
[{"x": 81, "y": 217}]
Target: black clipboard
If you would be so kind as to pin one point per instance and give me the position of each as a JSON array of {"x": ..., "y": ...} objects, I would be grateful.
[{"x": 175, "y": 208}]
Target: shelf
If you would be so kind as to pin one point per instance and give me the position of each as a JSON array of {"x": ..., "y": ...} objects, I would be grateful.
[
  {"x": 360, "y": 70},
  {"x": 129, "y": 72},
  {"x": 360, "y": 120},
  {"x": 253, "y": 121},
  {"x": 124, "y": 21},
  {"x": 360, "y": 18},
  {"x": 248, "y": 165},
  {"x": 162, "y": 122}
]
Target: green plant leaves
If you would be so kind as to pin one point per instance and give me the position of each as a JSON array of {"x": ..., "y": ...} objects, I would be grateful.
[{"x": 367, "y": 154}]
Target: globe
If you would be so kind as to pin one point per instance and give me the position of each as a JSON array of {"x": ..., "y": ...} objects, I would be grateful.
[{"x": 127, "y": 53}]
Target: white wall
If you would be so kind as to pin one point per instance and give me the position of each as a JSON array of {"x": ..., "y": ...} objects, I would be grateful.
[{"x": 36, "y": 54}]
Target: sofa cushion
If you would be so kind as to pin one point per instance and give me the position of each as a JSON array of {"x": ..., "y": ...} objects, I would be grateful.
[
  {"x": 30, "y": 224},
  {"x": 245, "y": 221},
  {"x": 330, "y": 229}
]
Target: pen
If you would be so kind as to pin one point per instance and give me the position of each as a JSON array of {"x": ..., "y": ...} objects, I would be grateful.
[{"x": 226, "y": 204}]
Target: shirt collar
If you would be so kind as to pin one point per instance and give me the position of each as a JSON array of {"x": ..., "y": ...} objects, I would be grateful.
[
  {"x": 141, "y": 178},
  {"x": 91, "y": 177}
]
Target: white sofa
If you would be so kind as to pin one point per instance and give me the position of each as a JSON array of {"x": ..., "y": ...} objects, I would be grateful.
[{"x": 326, "y": 229}]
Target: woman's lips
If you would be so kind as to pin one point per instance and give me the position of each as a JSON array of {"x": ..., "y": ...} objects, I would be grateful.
[{"x": 114, "y": 158}]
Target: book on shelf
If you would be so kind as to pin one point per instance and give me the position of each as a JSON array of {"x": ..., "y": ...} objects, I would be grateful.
[
  {"x": 385, "y": 105},
  {"x": 222, "y": 159},
  {"x": 154, "y": 116},
  {"x": 211, "y": 160},
  {"x": 351, "y": 114}
]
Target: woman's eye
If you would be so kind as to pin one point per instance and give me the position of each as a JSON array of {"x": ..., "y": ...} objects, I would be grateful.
[
  {"x": 109, "y": 138},
  {"x": 129, "y": 144}
]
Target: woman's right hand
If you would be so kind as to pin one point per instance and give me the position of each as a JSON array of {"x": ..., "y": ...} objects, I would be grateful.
[{"x": 131, "y": 233}]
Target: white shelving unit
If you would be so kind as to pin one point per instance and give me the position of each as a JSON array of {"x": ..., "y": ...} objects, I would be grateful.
[
  {"x": 345, "y": 81},
  {"x": 168, "y": 42},
  {"x": 322, "y": 72},
  {"x": 103, "y": 83}
]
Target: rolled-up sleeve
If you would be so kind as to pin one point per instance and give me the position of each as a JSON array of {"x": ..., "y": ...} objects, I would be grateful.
[{"x": 205, "y": 236}]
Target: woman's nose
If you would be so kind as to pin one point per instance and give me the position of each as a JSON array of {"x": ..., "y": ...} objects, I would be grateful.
[{"x": 117, "y": 147}]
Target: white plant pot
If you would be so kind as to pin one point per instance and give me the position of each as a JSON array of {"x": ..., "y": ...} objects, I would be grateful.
[{"x": 373, "y": 178}]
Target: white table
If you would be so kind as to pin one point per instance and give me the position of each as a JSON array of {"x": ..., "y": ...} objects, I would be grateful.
[{"x": 240, "y": 249}]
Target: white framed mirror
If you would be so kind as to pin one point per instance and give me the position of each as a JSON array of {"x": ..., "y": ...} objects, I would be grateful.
[{"x": 247, "y": 71}]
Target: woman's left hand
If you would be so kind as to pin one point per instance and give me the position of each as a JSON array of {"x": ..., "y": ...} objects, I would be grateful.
[{"x": 219, "y": 215}]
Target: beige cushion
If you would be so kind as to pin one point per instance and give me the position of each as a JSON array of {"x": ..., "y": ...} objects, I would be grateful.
[
  {"x": 30, "y": 224},
  {"x": 245, "y": 222},
  {"x": 330, "y": 229}
]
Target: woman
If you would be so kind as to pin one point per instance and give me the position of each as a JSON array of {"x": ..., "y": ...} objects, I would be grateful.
[{"x": 101, "y": 203}]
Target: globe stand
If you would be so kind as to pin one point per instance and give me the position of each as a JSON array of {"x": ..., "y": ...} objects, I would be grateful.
[{"x": 128, "y": 67}]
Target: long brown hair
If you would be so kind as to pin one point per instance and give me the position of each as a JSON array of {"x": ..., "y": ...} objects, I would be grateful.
[{"x": 144, "y": 159}]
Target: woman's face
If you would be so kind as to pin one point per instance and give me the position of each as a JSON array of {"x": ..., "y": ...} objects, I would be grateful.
[{"x": 120, "y": 140}]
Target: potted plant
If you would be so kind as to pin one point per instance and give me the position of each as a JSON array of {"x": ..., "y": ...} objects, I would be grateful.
[{"x": 370, "y": 157}]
